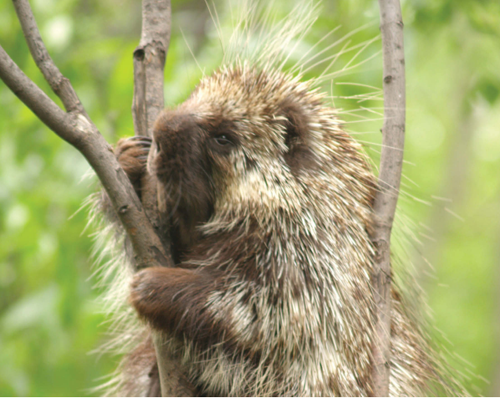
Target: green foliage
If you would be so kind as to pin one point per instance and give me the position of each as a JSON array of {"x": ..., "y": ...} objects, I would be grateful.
[{"x": 49, "y": 318}]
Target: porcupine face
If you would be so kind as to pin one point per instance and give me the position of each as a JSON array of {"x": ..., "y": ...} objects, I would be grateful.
[{"x": 240, "y": 128}]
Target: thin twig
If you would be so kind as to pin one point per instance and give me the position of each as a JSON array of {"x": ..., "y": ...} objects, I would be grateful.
[
  {"x": 59, "y": 84},
  {"x": 391, "y": 26}
]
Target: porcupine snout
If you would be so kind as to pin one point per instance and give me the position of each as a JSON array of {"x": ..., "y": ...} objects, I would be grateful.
[{"x": 177, "y": 138}]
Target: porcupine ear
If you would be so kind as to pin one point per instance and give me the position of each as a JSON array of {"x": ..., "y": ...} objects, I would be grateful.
[{"x": 299, "y": 155}]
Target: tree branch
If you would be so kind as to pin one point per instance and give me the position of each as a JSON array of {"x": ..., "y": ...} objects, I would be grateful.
[
  {"x": 59, "y": 84},
  {"x": 35, "y": 99},
  {"x": 79, "y": 131},
  {"x": 391, "y": 25},
  {"x": 149, "y": 63}
]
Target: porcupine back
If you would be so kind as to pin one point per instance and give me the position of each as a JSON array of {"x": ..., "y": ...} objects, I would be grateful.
[{"x": 290, "y": 227}]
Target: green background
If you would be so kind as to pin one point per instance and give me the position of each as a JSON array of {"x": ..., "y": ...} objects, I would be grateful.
[{"x": 50, "y": 320}]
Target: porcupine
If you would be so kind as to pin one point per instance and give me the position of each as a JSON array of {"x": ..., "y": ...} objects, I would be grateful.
[{"x": 269, "y": 204}]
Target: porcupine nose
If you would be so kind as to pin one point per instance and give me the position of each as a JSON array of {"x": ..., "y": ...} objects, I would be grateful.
[{"x": 177, "y": 137}]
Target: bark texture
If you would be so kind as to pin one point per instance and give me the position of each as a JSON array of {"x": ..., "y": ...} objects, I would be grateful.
[{"x": 391, "y": 163}]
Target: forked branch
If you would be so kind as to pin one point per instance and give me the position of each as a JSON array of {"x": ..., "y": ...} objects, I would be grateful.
[
  {"x": 75, "y": 126},
  {"x": 78, "y": 130},
  {"x": 391, "y": 164}
]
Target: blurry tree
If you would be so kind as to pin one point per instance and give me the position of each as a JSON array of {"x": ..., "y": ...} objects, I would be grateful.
[{"x": 49, "y": 318}]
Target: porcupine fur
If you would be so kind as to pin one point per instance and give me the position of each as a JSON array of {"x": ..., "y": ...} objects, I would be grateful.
[{"x": 270, "y": 205}]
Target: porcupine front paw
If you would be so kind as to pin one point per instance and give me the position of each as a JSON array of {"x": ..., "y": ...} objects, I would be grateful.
[
  {"x": 169, "y": 297},
  {"x": 132, "y": 154},
  {"x": 144, "y": 285},
  {"x": 149, "y": 294}
]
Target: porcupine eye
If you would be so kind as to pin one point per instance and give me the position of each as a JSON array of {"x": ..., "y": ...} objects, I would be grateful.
[
  {"x": 223, "y": 143},
  {"x": 223, "y": 140}
]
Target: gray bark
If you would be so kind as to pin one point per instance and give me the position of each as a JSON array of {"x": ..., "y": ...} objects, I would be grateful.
[{"x": 391, "y": 163}]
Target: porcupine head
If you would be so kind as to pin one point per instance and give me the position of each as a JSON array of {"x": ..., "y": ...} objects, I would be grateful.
[{"x": 269, "y": 205}]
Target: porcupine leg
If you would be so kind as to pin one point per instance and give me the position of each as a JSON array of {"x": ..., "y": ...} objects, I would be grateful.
[
  {"x": 174, "y": 300},
  {"x": 132, "y": 154}
]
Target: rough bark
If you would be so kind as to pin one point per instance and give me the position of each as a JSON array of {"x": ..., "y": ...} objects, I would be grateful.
[{"x": 391, "y": 26}]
